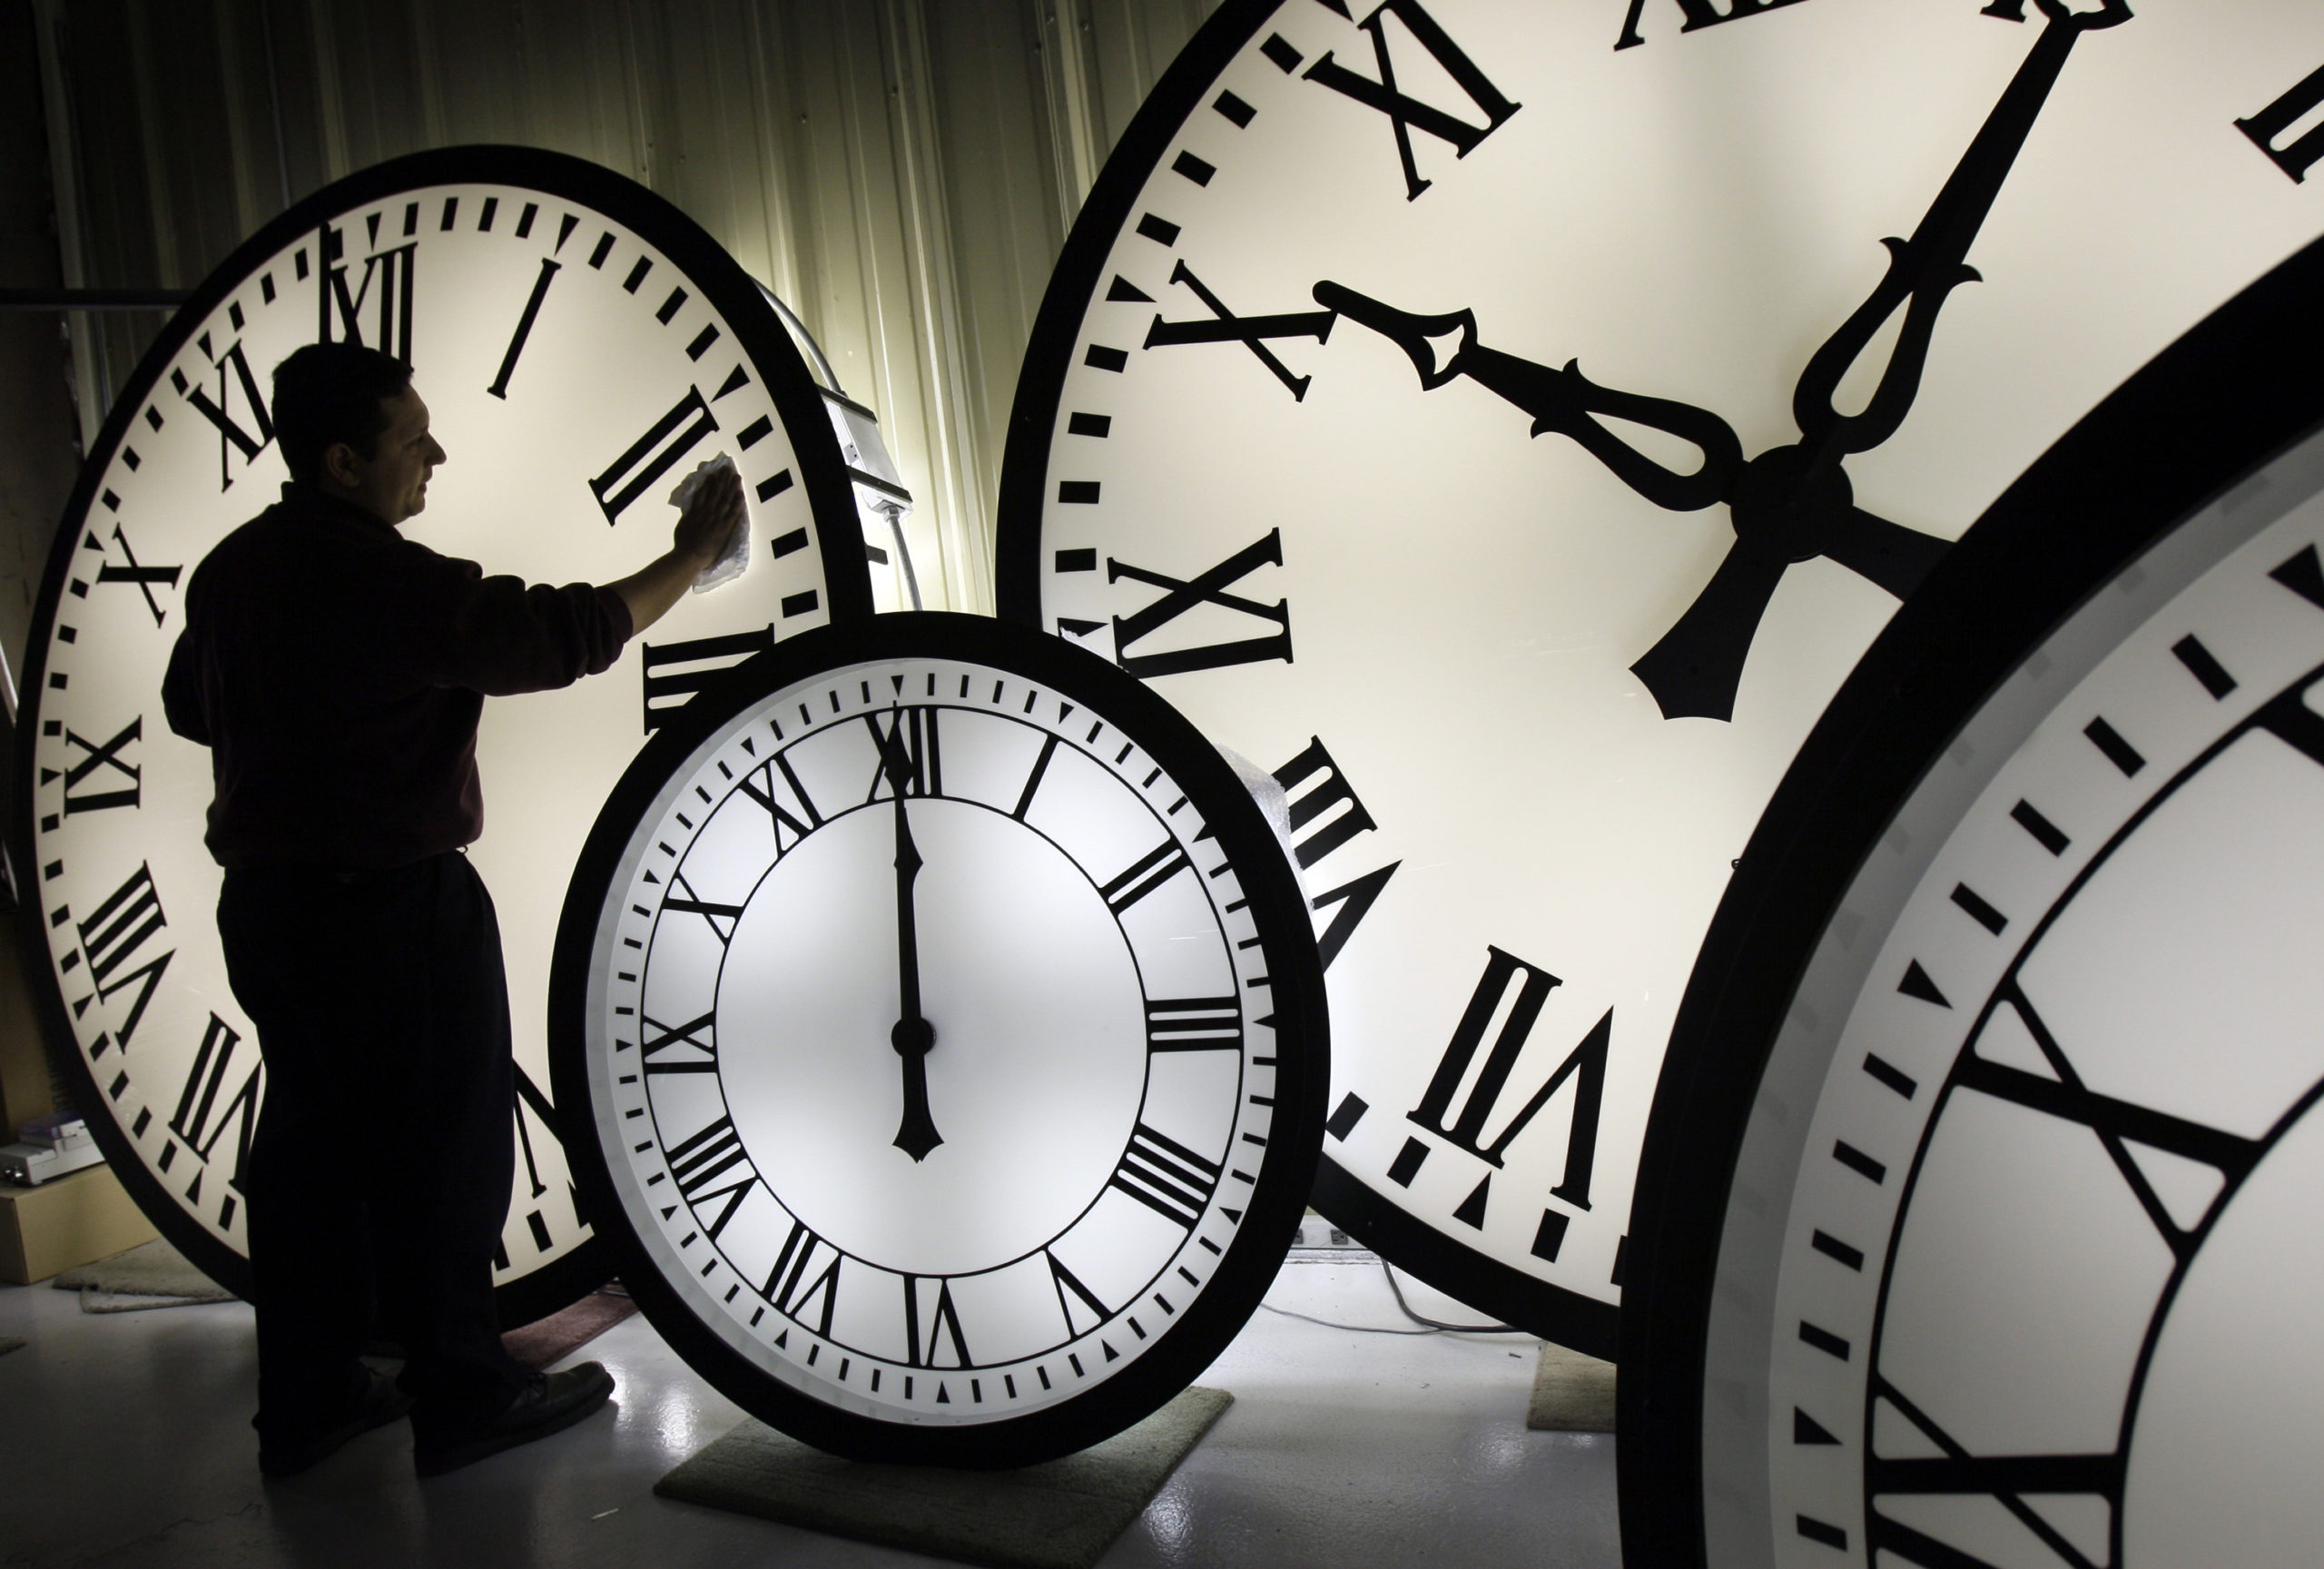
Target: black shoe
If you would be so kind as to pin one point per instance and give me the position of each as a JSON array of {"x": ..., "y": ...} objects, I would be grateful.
[
  {"x": 549, "y": 1404},
  {"x": 379, "y": 1404}
]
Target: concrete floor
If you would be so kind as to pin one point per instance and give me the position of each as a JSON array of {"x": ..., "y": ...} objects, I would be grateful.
[{"x": 125, "y": 1441}]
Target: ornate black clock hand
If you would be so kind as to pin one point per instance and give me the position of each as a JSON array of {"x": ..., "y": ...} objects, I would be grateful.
[
  {"x": 1563, "y": 401},
  {"x": 1790, "y": 504},
  {"x": 1794, "y": 504},
  {"x": 912, "y": 1036}
]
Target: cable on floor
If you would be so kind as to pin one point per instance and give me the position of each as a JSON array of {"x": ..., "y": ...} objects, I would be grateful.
[
  {"x": 1432, "y": 1326},
  {"x": 1437, "y": 1325}
]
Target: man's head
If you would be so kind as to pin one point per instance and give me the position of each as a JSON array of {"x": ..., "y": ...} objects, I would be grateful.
[{"x": 350, "y": 425}]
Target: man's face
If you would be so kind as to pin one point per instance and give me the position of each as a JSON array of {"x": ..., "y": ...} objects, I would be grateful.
[{"x": 392, "y": 483}]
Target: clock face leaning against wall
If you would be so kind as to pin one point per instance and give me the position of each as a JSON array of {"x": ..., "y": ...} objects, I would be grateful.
[
  {"x": 1506, "y": 422},
  {"x": 1971, "y": 1217},
  {"x": 582, "y": 345}
]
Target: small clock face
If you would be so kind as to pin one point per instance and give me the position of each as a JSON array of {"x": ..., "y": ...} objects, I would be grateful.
[
  {"x": 1509, "y": 422},
  {"x": 947, "y": 1020},
  {"x": 582, "y": 347},
  {"x": 1980, "y": 1188}
]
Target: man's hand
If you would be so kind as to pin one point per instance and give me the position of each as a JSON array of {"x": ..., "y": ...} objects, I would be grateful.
[
  {"x": 710, "y": 519},
  {"x": 704, "y": 528}
]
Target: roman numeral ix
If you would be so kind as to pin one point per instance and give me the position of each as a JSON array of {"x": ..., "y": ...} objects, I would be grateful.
[
  {"x": 1181, "y": 595},
  {"x": 1248, "y": 331}
]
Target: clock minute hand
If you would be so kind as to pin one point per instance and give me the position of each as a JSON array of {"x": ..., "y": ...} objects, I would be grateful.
[
  {"x": 912, "y": 1036},
  {"x": 1926, "y": 269},
  {"x": 1444, "y": 347}
]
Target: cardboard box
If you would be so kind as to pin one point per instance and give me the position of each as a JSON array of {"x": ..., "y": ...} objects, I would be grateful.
[{"x": 73, "y": 1219}]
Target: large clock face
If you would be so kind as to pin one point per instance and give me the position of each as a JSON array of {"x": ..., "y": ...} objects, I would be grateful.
[
  {"x": 1976, "y": 1210},
  {"x": 950, "y": 1028},
  {"x": 582, "y": 347},
  {"x": 1508, "y": 423}
]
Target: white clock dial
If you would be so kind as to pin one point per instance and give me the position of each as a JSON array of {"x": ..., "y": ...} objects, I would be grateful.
[
  {"x": 582, "y": 346},
  {"x": 2002, "y": 1257},
  {"x": 1506, "y": 422},
  {"x": 939, "y": 1020}
]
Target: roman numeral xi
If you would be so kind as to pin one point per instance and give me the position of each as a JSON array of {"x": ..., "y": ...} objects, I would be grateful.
[{"x": 1407, "y": 114}]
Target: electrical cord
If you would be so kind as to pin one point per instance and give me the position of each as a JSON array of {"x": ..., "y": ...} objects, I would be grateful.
[
  {"x": 1431, "y": 1326},
  {"x": 1437, "y": 1324}
]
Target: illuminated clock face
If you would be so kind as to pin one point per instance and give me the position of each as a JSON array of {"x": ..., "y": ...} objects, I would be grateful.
[
  {"x": 1509, "y": 422},
  {"x": 2086, "y": 1059},
  {"x": 1975, "y": 1222},
  {"x": 582, "y": 347},
  {"x": 950, "y": 1027}
]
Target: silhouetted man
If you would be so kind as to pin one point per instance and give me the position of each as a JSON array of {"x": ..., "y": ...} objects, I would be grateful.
[{"x": 337, "y": 671}]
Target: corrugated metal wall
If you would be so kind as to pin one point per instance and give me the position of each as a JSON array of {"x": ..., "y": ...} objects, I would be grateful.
[{"x": 902, "y": 172}]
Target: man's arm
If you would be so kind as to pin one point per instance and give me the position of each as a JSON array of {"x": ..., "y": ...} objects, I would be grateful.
[
  {"x": 182, "y": 692},
  {"x": 704, "y": 528}
]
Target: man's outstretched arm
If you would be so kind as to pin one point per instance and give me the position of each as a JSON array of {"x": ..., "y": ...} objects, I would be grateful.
[{"x": 704, "y": 528}]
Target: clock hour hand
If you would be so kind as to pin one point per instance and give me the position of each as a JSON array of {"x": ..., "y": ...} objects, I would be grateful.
[
  {"x": 1926, "y": 269},
  {"x": 1565, "y": 401},
  {"x": 912, "y": 1036},
  {"x": 1694, "y": 670}
]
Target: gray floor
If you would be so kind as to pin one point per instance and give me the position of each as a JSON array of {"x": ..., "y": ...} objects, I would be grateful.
[{"x": 124, "y": 1440}]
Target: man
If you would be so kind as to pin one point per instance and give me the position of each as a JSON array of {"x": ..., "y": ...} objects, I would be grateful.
[{"x": 337, "y": 671}]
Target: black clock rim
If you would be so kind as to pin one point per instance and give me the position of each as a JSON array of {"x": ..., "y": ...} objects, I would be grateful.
[
  {"x": 2236, "y": 390},
  {"x": 1279, "y": 910},
  {"x": 1553, "y": 1311},
  {"x": 822, "y": 474},
  {"x": 1073, "y": 286}
]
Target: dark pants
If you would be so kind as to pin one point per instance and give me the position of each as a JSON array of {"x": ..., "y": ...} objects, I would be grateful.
[{"x": 378, "y": 1175}]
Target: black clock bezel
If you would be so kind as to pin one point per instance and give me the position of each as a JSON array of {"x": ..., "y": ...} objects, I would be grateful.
[
  {"x": 1510, "y": 1295},
  {"x": 1278, "y": 910},
  {"x": 2236, "y": 390},
  {"x": 823, "y": 475}
]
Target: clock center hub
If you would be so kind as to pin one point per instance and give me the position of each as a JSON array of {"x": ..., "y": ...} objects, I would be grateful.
[
  {"x": 1033, "y": 990},
  {"x": 1786, "y": 505}
]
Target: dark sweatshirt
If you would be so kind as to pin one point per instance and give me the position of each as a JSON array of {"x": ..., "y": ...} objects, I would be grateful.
[{"x": 336, "y": 670}]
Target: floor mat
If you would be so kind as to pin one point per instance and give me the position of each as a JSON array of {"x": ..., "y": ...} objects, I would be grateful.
[
  {"x": 545, "y": 1342},
  {"x": 1060, "y": 1515},
  {"x": 1572, "y": 1393},
  {"x": 154, "y": 1269}
]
